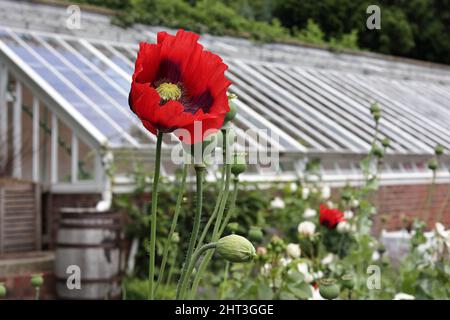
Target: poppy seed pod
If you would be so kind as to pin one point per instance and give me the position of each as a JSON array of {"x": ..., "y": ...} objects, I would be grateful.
[
  {"x": 328, "y": 289},
  {"x": 439, "y": 150},
  {"x": 255, "y": 234},
  {"x": 348, "y": 281},
  {"x": 2, "y": 290},
  {"x": 346, "y": 196},
  {"x": 37, "y": 280},
  {"x": 432, "y": 164},
  {"x": 233, "y": 227},
  {"x": 235, "y": 248},
  {"x": 239, "y": 166},
  {"x": 385, "y": 142},
  {"x": 230, "y": 115}
]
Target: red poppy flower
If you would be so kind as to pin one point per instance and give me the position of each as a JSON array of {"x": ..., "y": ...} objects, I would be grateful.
[
  {"x": 176, "y": 83},
  {"x": 330, "y": 217}
]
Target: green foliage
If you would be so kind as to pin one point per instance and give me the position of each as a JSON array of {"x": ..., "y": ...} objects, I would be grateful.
[
  {"x": 412, "y": 28},
  {"x": 276, "y": 273},
  {"x": 418, "y": 28},
  {"x": 311, "y": 33}
]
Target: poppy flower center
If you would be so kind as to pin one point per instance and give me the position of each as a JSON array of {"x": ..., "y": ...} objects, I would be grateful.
[{"x": 169, "y": 91}]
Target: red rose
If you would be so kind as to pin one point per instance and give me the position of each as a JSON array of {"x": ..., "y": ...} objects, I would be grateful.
[
  {"x": 330, "y": 217},
  {"x": 176, "y": 83}
]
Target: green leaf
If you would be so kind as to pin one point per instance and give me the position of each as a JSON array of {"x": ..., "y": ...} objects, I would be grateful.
[{"x": 301, "y": 291}]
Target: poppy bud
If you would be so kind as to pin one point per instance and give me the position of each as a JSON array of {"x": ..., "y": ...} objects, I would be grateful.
[
  {"x": 346, "y": 196},
  {"x": 377, "y": 151},
  {"x": 329, "y": 289},
  {"x": 375, "y": 108},
  {"x": 255, "y": 234},
  {"x": 2, "y": 290},
  {"x": 233, "y": 227},
  {"x": 37, "y": 280},
  {"x": 347, "y": 281},
  {"x": 377, "y": 116},
  {"x": 277, "y": 244},
  {"x": 432, "y": 164},
  {"x": 385, "y": 142},
  {"x": 239, "y": 166},
  {"x": 439, "y": 150},
  {"x": 230, "y": 115},
  {"x": 235, "y": 248}
]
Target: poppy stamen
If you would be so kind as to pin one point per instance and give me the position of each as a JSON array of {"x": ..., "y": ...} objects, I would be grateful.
[{"x": 169, "y": 91}]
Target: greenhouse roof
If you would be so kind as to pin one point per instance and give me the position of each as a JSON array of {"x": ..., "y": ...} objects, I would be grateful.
[{"x": 316, "y": 101}]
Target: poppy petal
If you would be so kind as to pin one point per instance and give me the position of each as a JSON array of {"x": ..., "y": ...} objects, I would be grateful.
[
  {"x": 144, "y": 100},
  {"x": 171, "y": 115},
  {"x": 147, "y": 62}
]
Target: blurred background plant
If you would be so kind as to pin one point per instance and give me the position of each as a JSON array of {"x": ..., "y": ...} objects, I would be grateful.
[{"x": 310, "y": 240}]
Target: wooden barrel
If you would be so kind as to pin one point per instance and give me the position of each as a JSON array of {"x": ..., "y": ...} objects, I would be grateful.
[{"x": 89, "y": 242}]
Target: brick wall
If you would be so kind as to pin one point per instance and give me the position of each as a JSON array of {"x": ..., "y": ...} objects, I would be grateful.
[
  {"x": 410, "y": 201},
  {"x": 397, "y": 203},
  {"x": 18, "y": 286}
]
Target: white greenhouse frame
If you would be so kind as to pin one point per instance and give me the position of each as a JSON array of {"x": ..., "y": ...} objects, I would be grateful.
[{"x": 316, "y": 112}]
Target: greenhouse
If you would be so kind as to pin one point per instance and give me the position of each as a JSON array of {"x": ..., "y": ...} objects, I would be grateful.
[{"x": 65, "y": 120}]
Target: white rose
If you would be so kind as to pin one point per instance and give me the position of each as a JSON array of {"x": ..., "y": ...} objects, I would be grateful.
[
  {"x": 309, "y": 213},
  {"x": 315, "y": 294},
  {"x": 305, "y": 193},
  {"x": 265, "y": 269},
  {"x": 375, "y": 256},
  {"x": 442, "y": 237},
  {"x": 440, "y": 231},
  {"x": 306, "y": 228},
  {"x": 303, "y": 269},
  {"x": 318, "y": 275},
  {"x": 403, "y": 296},
  {"x": 355, "y": 203},
  {"x": 326, "y": 192},
  {"x": 277, "y": 203},
  {"x": 343, "y": 227},
  {"x": 328, "y": 259},
  {"x": 348, "y": 214},
  {"x": 293, "y": 186},
  {"x": 284, "y": 261},
  {"x": 293, "y": 250}
]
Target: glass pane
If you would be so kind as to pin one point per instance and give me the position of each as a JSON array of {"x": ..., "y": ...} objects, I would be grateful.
[
  {"x": 103, "y": 82},
  {"x": 62, "y": 88},
  {"x": 64, "y": 153},
  {"x": 86, "y": 162}
]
